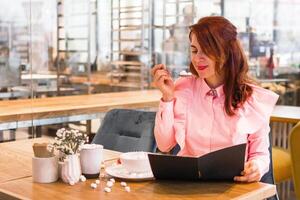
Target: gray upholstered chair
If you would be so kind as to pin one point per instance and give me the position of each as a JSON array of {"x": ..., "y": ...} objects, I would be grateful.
[{"x": 127, "y": 130}]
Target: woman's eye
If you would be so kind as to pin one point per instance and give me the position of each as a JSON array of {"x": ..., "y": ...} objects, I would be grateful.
[{"x": 193, "y": 51}]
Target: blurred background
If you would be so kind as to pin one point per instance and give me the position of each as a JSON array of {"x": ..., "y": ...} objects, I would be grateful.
[{"x": 71, "y": 47}]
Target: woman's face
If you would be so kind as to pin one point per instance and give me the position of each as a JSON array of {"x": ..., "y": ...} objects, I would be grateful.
[{"x": 204, "y": 66}]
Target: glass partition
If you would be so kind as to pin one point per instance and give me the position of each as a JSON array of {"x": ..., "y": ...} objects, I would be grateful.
[
  {"x": 15, "y": 61},
  {"x": 268, "y": 33}
]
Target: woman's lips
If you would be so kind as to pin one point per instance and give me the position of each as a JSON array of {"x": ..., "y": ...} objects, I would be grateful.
[{"x": 202, "y": 67}]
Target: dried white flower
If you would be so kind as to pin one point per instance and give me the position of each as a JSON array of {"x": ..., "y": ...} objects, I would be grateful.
[
  {"x": 69, "y": 142},
  {"x": 97, "y": 182},
  {"x": 107, "y": 189}
]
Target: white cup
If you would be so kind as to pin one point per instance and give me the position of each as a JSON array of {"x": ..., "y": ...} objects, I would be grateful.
[
  {"x": 91, "y": 156},
  {"x": 135, "y": 162},
  {"x": 45, "y": 170}
]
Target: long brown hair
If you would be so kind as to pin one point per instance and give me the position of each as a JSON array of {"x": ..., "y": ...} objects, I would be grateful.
[{"x": 217, "y": 38}]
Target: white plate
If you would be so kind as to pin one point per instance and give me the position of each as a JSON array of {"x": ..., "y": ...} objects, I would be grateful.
[{"x": 118, "y": 171}]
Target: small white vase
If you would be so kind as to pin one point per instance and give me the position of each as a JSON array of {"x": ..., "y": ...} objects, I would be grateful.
[{"x": 71, "y": 171}]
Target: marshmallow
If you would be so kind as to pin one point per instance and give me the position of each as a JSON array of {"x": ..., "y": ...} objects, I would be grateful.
[
  {"x": 82, "y": 178},
  {"x": 127, "y": 189},
  {"x": 107, "y": 189},
  {"x": 112, "y": 180},
  {"x": 124, "y": 184},
  {"x": 94, "y": 185},
  {"x": 109, "y": 184}
]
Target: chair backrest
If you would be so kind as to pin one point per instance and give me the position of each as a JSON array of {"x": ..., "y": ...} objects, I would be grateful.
[
  {"x": 294, "y": 144},
  {"x": 127, "y": 130}
]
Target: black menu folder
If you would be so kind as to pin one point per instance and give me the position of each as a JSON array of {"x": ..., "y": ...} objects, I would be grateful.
[{"x": 222, "y": 164}]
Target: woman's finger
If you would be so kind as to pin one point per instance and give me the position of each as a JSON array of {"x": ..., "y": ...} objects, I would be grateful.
[
  {"x": 253, "y": 177},
  {"x": 249, "y": 170},
  {"x": 248, "y": 164},
  {"x": 240, "y": 178},
  {"x": 248, "y": 178},
  {"x": 157, "y": 67},
  {"x": 159, "y": 73},
  {"x": 162, "y": 79}
]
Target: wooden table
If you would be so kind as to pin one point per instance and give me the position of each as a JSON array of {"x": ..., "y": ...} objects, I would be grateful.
[
  {"x": 15, "y": 158},
  {"x": 34, "y": 80},
  {"x": 163, "y": 190},
  {"x": 274, "y": 80},
  {"x": 71, "y": 105},
  {"x": 38, "y": 77},
  {"x": 15, "y": 167},
  {"x": 290, "y": 114},
  {"x": 283, "y": 119},
  {"x": 28, "y": 109},
  {"x": 53, "y": 110}
]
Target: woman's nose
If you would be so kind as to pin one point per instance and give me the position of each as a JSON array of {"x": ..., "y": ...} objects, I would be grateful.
[
  {"x": 200, "y": 54},
  {"x": 198, "y": 57}
]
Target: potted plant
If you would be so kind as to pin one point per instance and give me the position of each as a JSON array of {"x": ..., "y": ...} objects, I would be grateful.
[{"x": 68, "y": 142}]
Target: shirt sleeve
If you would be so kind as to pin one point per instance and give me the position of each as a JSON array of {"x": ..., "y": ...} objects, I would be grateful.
[
  {"x": 258, "y": 149},
  {"x": 170, "y": 121},
  {"x": 255, "y": 122},
  {"x": 163, "y": 130}
]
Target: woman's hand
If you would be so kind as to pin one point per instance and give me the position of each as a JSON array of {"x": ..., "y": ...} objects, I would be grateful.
[
  {"x": 251, "y": 173},
  {"x": 163, "y": 81}
]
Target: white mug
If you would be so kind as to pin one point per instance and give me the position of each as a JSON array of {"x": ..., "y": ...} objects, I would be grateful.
[
  {"x": 45, "y": 170},
  {"x": 90, "y": 160}
]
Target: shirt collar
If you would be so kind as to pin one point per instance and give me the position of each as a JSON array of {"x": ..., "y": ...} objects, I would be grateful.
[{"x": 206, "y": 91}]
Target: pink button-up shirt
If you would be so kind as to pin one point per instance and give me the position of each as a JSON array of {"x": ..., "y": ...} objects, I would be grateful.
[{"x": 196, "y": 120}]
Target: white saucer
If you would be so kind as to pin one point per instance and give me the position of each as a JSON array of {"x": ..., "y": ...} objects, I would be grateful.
[{"x": 118, "y": 171}]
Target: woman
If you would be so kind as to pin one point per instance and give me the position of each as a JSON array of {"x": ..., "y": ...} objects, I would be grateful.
[{"x": 219, "y": 106}]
